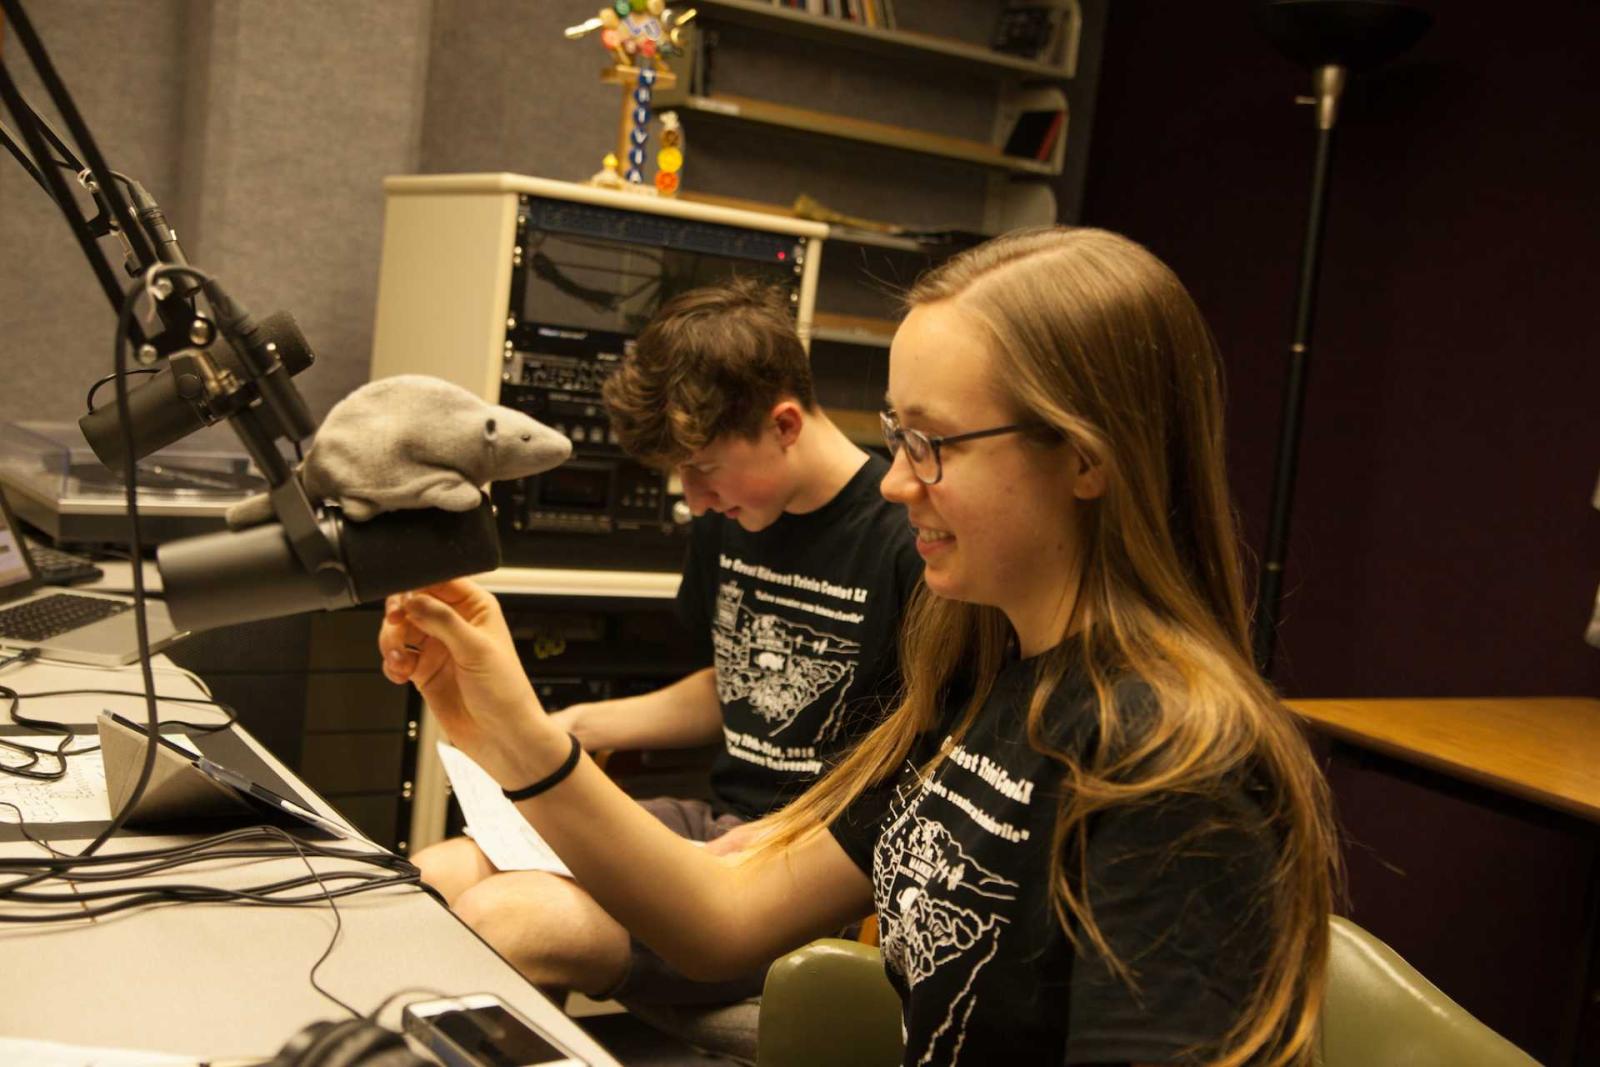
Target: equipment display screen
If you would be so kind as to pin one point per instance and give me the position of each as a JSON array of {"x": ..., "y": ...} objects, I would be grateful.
[
  {"x": 593, "y": 283},
  {"x": 575, "y": 487},
  {"x": 13, "y": 565}
]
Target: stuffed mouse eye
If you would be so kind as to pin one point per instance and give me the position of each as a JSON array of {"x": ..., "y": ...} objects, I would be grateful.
[{"x": 489, "y": 428}]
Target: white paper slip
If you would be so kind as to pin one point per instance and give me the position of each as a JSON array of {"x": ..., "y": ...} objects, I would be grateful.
[
  {"x": 493, "y": 821},
  {"x": 20, "y": 1052}
]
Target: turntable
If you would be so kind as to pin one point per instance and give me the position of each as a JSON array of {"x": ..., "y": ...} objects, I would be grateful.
[{"x": 55, "y": 484}]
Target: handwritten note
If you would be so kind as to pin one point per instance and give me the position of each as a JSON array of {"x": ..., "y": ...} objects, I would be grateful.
[
  {"x": 77, "y": 796},
  {"x": 493, "y": 821}
]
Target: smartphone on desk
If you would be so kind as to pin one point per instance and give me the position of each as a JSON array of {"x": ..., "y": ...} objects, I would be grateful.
[{"x": 481, "y": 1030}]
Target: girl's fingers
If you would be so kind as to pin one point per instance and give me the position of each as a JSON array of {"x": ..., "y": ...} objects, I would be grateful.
[{"x": 433, "y": 618}]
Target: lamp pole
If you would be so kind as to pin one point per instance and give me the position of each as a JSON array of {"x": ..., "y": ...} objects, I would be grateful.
[{"x": 1332, "y": 37}]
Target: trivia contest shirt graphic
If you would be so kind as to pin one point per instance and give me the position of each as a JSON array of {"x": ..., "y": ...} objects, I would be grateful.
[
  {"x": 942, "y": 908},
  {"x": 784, "y": 649}
]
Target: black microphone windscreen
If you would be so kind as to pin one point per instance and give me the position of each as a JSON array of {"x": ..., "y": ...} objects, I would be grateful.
[
  {"x": 278, "y": 329},
  {"x": 294, "y": 350},
  {"x": 402, "y": 550},
  {"x": 223, "y": 579}
]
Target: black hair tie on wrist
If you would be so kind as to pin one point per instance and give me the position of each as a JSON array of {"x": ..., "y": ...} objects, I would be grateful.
[{"x": 551, "y": 780}]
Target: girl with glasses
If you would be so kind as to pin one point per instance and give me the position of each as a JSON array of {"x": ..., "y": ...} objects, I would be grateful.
[{"x": 1090, "y": 832}]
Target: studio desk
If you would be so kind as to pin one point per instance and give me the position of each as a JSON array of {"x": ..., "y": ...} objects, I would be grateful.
[
  {"x": 223, "y": 981},
  {"x": 1472, "y": 846},
  {"x": 310, "y": 688}
]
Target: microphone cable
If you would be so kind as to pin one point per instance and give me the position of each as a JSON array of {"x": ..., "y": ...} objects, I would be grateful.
[
  {"x": 130, "y": 474},
  {"x": 371, "y": 870},
  {"x": 136, "y": 555},
  {"x": 60, "y": 752}
]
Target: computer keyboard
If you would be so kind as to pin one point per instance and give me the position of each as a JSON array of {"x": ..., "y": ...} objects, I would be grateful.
[
  {"x": 61, "y": 568},
  {"x": 44, "y": 618}
]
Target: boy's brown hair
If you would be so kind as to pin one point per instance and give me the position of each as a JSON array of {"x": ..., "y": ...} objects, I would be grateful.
[{"x": 713, "y": 361}]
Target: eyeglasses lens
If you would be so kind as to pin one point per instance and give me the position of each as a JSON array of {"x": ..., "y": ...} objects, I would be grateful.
[{"x": 919, "y": 450}]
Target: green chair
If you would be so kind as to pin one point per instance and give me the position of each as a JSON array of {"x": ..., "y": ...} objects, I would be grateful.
[
  {"x": 1379, "y": 1010},
  {"x": 829, "y": 1002}
]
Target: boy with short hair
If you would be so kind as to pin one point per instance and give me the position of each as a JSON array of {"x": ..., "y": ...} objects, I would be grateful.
[{"x": 795, "y": 580}]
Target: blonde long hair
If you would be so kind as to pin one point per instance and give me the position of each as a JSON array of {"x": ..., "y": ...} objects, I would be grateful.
[{"x": 1093, "y": 335}]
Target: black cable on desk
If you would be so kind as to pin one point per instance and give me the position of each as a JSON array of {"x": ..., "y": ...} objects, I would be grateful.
[
  {"x": 230, "y": 714},
  {"x": 338, "y": 928},
  {"x": 27, "y": 655},
  {"x": 204, "y": 848},
  {"x": 22, "y": 828},
  {"x": 78, "y": 870},
  {"x": 60, "y": 752}
]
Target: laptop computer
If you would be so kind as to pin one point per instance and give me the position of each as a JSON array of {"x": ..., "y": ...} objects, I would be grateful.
[{"x": 73, "y": 627}]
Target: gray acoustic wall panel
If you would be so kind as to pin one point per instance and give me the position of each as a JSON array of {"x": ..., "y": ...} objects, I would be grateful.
[
  {"x": 121, "y": 61},
  {"x": 308, "y": 106},
  {"x": 508, "y": 92},
  {"x": 264, "y": 127}
]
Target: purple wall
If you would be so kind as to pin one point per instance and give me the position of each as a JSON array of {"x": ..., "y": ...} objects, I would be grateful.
[{"x": 1442, "y": 541}]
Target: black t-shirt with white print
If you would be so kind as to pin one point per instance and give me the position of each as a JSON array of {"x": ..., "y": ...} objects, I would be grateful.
[
  {"x": 801, "y": 621},
  {"x": 960, "y": 871}
]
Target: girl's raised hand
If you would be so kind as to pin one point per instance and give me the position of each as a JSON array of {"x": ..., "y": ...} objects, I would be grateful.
[{"x": 451, "y": 641}]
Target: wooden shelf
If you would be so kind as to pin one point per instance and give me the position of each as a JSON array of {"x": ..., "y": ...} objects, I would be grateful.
[
  {"x": 862, "y": 427},
  {"x": 843, "y": 234},
  {"x": 854, "y": 129},
  {"x": 852, "y": 329},
  {"x": 897, "y": 44},
  {"x": 544, "y": 581}
]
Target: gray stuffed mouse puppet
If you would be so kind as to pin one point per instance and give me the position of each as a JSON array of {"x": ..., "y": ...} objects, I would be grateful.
[{"x": 413, "y": 441}]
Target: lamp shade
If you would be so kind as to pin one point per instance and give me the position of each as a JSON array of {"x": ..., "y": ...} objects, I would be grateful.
[{"x": 1355, "y": 34}]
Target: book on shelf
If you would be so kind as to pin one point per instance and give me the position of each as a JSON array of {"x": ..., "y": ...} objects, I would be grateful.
[
  {"x": 878, "y": 14},
  {"x": 1029, "y": 30},
  {"x": 1035, "y": 133}
]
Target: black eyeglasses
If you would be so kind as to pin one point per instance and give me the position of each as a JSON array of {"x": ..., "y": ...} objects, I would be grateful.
[{"x": 923, "y": 449}]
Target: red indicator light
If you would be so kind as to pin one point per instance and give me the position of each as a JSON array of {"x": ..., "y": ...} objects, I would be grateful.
[{"x": 783, "y": 255}]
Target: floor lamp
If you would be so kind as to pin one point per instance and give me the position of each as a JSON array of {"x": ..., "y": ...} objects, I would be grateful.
[{"x": 1333, "y": 38}]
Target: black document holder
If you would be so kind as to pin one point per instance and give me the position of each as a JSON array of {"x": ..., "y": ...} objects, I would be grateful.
[{"x": 178, "y": 791}]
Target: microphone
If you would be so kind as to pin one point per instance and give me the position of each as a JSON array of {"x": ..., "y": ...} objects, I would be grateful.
[
  {"x": 156, "y": 227},
  {"x": 257, "y": 346},
  {"x": 389, "y": 498},
  {"x": 179, "y": 399},
  {"x": 222, "y": 579}
]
